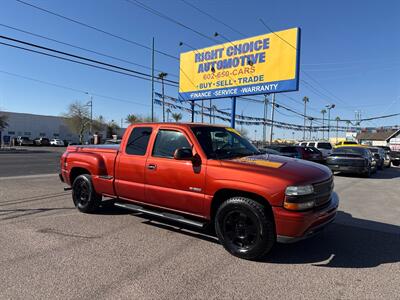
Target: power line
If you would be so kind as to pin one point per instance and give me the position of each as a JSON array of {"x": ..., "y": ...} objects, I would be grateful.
[
  {"x": 71, "y": 60},
  {"x": 81, "y": 48},
  {"x": 80, "y": 57},
  {"x": 164, "y": 16},
  {"x": 71, "y": 88},
  {"x": 96, "y": 29},
  {"x": 212, "y": 17}
]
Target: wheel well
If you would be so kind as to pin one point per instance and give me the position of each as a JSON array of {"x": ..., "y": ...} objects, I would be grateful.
[
  {"x": 75, "y": 172},
  {"x": 224, "y": 194}
]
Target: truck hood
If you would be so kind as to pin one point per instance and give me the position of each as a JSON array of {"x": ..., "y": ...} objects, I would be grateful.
[{"x": 296, "y": 171}]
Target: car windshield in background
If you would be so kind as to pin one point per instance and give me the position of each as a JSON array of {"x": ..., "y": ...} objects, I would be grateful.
[
  {"x": 350, "y": 150},
  {"x": 219, "y": 142},
  {"x": 327, "y": 146}
]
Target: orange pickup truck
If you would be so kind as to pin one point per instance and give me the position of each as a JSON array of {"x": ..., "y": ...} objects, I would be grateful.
[{"x": 201, "y": 175}]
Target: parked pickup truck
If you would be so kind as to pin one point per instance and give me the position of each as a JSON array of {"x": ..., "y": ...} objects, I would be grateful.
[{"x": 203, "y": 175}]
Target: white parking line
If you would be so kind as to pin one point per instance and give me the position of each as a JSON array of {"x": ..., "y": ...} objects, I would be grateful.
[{"x": 55, "y": 175}]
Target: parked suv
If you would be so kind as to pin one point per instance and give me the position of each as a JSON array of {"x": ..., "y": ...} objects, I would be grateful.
[
  {"x": 24, "y": 141},
  {"x": 323, "y": 146},
  {"x": 42, "y": 141},
  {"x": 350, "y": 159},
  {"x": 307, "y": 153}
]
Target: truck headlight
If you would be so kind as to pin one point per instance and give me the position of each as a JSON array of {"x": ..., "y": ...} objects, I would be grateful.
[
  {"x": 299, "y": 198},
  {"x": 299, "y": 190}
]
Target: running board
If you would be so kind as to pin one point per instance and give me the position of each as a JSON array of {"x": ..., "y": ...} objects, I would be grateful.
[{"x": 164, "y": 215}]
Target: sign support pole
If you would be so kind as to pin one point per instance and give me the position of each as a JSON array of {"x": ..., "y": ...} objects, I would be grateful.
[{"x": 233, "y": 112}]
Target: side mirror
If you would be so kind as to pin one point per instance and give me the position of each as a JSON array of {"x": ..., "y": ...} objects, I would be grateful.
[{"x": 183, "y": 154}]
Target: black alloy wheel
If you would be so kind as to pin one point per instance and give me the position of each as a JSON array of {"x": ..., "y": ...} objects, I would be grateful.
[
  {"x": 83, "y": 194},
  {"x": 240, "y": 230},
  {"x": 245, "y": 228}
]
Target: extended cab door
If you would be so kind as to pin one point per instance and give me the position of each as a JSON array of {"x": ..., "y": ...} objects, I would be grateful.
[
  {"x": 171, "y": 183},
  {"x": 129, "y": 172}
]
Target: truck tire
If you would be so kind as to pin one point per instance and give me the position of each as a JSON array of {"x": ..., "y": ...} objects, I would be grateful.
[
  {"x": 244, "y": 228},
  {"x": 85, "y": 198}
]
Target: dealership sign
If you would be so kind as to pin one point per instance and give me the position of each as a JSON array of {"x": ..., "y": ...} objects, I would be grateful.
[{"x": 263, "y": 64}]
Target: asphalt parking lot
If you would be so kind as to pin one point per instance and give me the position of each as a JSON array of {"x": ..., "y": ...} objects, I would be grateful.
[{"x": 50, "y": 250}]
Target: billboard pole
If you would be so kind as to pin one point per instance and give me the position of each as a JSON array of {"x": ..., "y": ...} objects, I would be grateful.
[{"x": 233, "y": 112}]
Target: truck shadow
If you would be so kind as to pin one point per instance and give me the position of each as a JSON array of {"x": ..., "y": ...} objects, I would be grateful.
[{"x": 347, "y": 243}]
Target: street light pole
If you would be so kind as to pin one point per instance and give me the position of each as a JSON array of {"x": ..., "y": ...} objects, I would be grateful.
[
  {"x": 305, "y": 100},
  {"x": 323, "y": 123},
  {"x": 329, "y": 107},
  {"x": 265, "y": 119},
  {"x": 161, "y": 76},
  {"x": 272, "y": 118}
]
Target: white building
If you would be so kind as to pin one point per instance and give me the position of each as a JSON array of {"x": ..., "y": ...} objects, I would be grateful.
[{"x": 34, "y": 126}]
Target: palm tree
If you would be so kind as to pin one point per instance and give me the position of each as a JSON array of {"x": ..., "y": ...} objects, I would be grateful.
[
  {"x": 132, "y": 119},
  {"x": 177, "y": 117}
]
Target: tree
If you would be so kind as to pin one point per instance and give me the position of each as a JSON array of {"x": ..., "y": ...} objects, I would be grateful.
[
  {"x": 99, "y": 124},
  {"x": 132, "y": 119},
  {"x": 177, "y": 117},
  {"x": 3, "y": 122},
  {"x": 112, "y": 129},
  {"x": 78, "y": 119}
]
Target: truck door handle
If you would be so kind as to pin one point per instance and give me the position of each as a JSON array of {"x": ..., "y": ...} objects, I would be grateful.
[{"x": 151, "y": 166}]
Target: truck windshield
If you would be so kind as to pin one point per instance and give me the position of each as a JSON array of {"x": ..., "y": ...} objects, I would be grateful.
[{"x": 220, "y": 142}]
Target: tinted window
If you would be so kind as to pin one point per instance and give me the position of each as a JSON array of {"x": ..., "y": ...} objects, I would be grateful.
[
  {"x": 373, "y": 150},
  {"x": 324, "y": 146},
  {"x": 311, "y": 144},
  {"x": 168, "y": 141},
  {"x": 288, "y": 150},
  {"x": 349, "y": 143},
  {"x": 303, "y": 144},
  {"x": 219, "y": 142},
  {"x": 138, "y": 141}
]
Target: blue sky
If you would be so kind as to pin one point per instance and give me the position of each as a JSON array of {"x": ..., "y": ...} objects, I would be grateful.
[{"x": 351, "y": 48}]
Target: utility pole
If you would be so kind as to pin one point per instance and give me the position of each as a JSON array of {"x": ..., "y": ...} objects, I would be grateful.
[
  {"x": 337, "y": 128},
  {"x": 265, "y": 119},
  {"x": 152, "y": 81},
  {"x": 305, "y": 100},
  {"x": 329, "y": 107},
  {"x": 272, "y": 119},
  {"x": 323, "y": 123},
  {"x": 90, "y": 103},
  {"x": 161, "y": 76}
]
